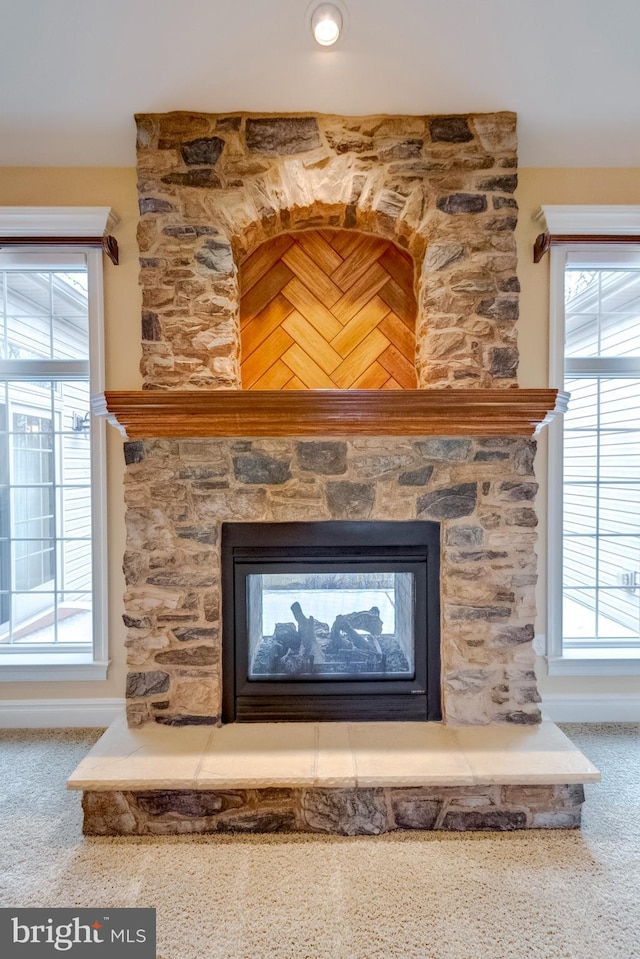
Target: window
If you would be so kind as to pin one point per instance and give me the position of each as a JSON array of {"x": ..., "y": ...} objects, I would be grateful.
[
  {"x": 52, "y": 543},
  {"x": 594, "y": 526}
]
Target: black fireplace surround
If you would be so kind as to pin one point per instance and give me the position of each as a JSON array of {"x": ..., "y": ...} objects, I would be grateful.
[{"x": 296, "y": 646}]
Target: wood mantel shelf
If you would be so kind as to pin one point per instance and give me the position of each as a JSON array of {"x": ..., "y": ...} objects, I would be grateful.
[{"x": 155, "y": 413}]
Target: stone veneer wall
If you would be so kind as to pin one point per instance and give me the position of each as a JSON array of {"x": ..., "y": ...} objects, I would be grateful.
[
  {"x": 178, "y": 492},
  {"x": 212, "y": 188},
  {"x": 343, "y": 812}
]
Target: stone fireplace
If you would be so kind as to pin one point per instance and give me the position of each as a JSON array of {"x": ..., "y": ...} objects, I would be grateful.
[
  {"x": 212, "y": 189},
  {"x": 301, "y": 275},
  {"x": 179, "y": 492}
]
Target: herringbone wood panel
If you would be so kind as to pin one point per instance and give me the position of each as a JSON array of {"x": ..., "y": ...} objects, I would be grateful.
[{"x": 327, "y": 309}]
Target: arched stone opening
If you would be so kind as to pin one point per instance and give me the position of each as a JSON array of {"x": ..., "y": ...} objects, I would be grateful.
[{"x": 213, "y": 188}]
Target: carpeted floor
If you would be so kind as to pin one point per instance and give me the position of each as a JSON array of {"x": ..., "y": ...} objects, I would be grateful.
[{"x": 536, "y": 895}]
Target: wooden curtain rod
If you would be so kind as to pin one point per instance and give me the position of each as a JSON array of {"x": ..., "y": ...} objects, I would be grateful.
[
  {"x": 545, "y": 241},
  {"x": 108, "y": 244}
]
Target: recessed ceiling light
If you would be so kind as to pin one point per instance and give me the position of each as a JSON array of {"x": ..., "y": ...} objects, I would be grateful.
[{"x": 326, "y": 24}]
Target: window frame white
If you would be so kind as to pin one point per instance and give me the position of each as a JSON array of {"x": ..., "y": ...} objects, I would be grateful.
[
  {"x": 570, "y": 220},
  {"x": 32, "y": 666}
]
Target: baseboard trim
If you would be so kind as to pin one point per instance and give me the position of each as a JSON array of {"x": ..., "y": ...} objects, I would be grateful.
[
  {"x": 58, "y": 713},
  {"x": 100, "y": 713},
  {"x": 591, "y": 709}
]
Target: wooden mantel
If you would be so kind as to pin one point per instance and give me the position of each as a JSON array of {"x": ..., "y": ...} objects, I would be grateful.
[{"x": 437, "y": 412}]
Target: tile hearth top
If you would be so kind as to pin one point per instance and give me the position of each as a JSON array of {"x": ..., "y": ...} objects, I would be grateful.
[{"x": 331, "y": 755}]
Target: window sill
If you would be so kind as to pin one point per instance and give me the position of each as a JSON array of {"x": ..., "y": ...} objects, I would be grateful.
[
  {"x": 619, "y": 661},
  {"x": 51, "y": 667}
]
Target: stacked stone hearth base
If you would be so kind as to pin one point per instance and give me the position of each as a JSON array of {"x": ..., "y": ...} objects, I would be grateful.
[
  {"x": 343, "y": 812},
  {"x": 337, "y": 778}
]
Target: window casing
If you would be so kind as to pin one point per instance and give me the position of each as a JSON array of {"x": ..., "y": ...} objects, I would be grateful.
[
  {"x": 53, "y": 621},
  {"x": 594, "y": 461}
]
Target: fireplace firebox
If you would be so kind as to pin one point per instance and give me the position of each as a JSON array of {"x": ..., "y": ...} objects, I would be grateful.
[{"x": 331, "y": 621}]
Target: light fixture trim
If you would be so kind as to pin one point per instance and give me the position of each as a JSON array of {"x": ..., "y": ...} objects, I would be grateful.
[{"x": 327, "y": 24}]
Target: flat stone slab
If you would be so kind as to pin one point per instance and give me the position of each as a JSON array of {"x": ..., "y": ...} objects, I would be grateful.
[{"x": 329, "y": 755}]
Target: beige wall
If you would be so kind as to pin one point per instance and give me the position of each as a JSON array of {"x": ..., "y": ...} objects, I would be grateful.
[
  {"x": 116, "y": 187},
  {"x": 538, "y": 187},
  {"x": 535, "y": 188}
]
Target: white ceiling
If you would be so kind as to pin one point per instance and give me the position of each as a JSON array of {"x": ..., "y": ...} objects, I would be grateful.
[{"x": 73, "y": 72}]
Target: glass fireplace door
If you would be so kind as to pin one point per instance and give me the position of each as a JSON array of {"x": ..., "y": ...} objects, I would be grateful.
[{"x": 337, "y": 622}]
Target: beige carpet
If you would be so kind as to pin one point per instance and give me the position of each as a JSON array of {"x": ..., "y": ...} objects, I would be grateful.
[{"x": 536, "y": 895}]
